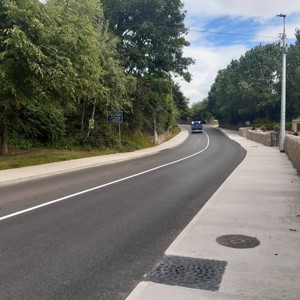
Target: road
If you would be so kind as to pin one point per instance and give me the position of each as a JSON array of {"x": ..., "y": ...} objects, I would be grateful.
[{"x": 99, "y": 243}]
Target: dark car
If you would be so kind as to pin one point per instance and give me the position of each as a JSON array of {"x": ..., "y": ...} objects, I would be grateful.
[{"x": 196, "y": 126}]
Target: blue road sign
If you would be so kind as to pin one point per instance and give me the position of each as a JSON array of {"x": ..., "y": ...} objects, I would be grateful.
[{"x": 116, "y": 117}]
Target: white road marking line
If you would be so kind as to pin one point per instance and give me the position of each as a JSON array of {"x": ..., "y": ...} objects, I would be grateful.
[{"x": 104, "y": 185}]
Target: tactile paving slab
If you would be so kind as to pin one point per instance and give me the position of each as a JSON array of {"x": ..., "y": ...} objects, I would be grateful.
[{"x": 189, "y": 272}]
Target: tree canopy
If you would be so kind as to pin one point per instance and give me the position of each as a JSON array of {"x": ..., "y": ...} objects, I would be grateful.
[
  {"x": 66, "y": 62},
  {"x": 151, "y": 40},
  {"x": 151, "y": 35},
  {"x": 249, "y": 88}
]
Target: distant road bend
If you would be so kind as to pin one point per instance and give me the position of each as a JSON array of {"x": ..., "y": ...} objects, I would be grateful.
[{"x": 103, "y": 228}]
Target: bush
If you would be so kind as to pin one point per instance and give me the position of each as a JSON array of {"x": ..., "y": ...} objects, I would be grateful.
[
  {"x": 102, "y": 137},
  {"x": 259, "y": 122},
  {"x": 135, "y": 142},
  {"x": 273, "y": 126},
  {"x": 288, "y": 126},
  {"x": 128, "y": 146},
  {"x": 44, "y": 123},
  {"x": 18, "y": 142}
]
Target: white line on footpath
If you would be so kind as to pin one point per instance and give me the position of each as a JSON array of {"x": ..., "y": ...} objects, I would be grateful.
[{"x": 104, "y": 185}]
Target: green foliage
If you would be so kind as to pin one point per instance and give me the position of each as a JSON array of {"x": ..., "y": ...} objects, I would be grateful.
[
  {"x": 48, "y": 55},
  {"x": 248, "y": 88},
  {"x": 293, "y": 78},
  {"x": 154, "y": 105},
  {"x": 151, "y": 35},
  {"x": 21, "y": 61},
  {"x": 268, "y": 125},
  {"x": 20, "y": 142},
  {"x": 61, "y": 65},
  {"x": 260, "y": 121},
  {"x": 181, "y": 102},
  {"x": 45, "y": 123},
  {"x": 199, "y": 111},
  {"x": 276, "y": 127},
  {"x": 135, "y": 142},
  {"x": 103, "y": 136}
]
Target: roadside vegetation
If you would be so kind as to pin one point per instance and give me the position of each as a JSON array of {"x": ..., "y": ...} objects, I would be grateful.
[
  {"x": 43, "y": 155},
  {"x": 249, "y": 89},
  {"x": 65, "y": 66}
]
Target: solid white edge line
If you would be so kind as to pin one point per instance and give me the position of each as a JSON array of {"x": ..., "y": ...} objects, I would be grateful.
[{"x": 105, "y": 185}]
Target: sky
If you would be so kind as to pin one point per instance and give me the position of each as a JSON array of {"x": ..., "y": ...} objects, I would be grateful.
[{"x": 248, "y": 23}]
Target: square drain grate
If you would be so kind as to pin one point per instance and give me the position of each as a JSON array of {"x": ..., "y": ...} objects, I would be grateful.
[{"x": 189, "y": 272}]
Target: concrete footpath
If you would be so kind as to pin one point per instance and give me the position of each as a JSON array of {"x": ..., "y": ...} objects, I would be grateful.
[{"x": 255, "y": 215}]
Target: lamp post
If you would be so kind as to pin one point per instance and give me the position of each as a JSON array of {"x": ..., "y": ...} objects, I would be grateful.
[{"x": 283, "y": 89}]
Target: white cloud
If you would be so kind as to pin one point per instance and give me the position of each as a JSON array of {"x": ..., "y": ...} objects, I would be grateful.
[
  {"x": 264, "y": 9},
  {"x": 209, "y": 60}
]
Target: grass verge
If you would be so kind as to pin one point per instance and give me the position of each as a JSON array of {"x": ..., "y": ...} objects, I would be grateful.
[
  {"x": 45, "y": 155},
  {"x": 38, "y": 156}
]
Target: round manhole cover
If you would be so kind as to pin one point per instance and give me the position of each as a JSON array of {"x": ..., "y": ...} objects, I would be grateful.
[{"x": 238, "y": 241}]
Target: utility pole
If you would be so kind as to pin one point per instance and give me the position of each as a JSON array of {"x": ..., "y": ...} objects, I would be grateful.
[{"x": 283, "y": 88}]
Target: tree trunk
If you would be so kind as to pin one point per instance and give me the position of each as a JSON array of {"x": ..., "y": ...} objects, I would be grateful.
[
  {"x": 4, "y": 139},
  {"x": 155, "y": 138},
  {"x": 82, "y": 116},
  {"x": 93, "y": 116}
]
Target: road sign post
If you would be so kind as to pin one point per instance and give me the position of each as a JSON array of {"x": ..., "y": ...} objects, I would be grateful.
[{"x": 116, "y": 118}]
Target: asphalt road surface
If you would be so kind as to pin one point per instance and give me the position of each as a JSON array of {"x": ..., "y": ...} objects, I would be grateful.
[{"x": 114, "y": 222}]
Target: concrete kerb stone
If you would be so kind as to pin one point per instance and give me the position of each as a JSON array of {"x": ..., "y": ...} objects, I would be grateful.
[{"x": 12, "y": 176}]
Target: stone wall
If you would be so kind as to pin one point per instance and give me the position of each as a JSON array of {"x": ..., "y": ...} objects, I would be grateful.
[
  {"x": 292, "y": 143},
  {"x": 261, "y": 137},
  {"x": 292, "y": 149},
  {"x": 160, "y": 138},
  {"x": 243, "y": 131}
]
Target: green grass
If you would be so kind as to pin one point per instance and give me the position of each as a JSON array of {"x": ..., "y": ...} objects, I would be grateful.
[
  {"x": 38, "y": 156},
  {"x": 175, "y": 131},
  {"x": 45, "y": 155}
]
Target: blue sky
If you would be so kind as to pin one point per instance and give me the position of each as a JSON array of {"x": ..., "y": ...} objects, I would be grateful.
[{"x": 245, "y": 24}]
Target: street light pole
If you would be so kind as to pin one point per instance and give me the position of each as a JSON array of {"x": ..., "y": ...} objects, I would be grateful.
[{"x": 283, "y": 89}]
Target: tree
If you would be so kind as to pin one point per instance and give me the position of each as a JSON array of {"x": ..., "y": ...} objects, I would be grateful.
[
  {"x": 101, "y": 85},
  {"x": 293, "y": 78},
  {"x": 181, "y": 102},
  {"x": 151, "y": 35},
  {"x": 21, "y": 61},
  {"x": 248, "y": 88},
  {"x": 154, "y": 110},
  {"x": 48, "y": 56},
  {"x": 151, "y": 41},
  {"x": 199, "y": 111},
  {"x": 56, "y": 57},
  {"x": 259, "y": 85}
]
